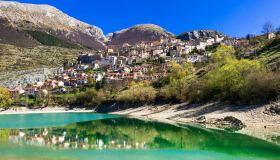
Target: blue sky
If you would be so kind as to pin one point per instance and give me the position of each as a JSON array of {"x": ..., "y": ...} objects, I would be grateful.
[{"x": 233, "y": 17}]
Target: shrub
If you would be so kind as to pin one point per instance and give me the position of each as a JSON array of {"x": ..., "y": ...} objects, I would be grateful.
[
  {"x": 91, "y": 98},
  {"x": 5, "y": 100},
  {"x": 176, "y": 91},
  {"x": 261, "y": 87},
  {"x": 161, "y": 82},
  {"x": 238, "y": 81},
  {"x": 138, "y": 93},
  {"x": 176, "y": 87},
  {"x": 223, "y": 54},
  {"x": 229, "y": 79},
  {"x": 178, "y": 71}
]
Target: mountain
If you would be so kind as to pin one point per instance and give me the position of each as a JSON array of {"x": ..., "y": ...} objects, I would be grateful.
[
  {"x": 138, "y": 33},
  {"x": 10, "y": 35},
  {"x": 22, "y": 19},
  {"x": 199, "y": 35}
]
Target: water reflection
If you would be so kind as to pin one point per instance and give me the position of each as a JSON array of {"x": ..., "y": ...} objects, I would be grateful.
[{"x": 123, "y": 133}]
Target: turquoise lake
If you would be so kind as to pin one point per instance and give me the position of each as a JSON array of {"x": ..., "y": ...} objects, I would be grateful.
[{"x": 89, "y": 136}]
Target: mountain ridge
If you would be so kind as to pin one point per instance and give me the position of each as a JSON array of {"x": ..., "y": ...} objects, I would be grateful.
[
  {"x": 138, "y": 33},
  {"x": 23, "y": 18},
  {"x": 200, "y": 35},
  {"x": 45, "y": 18}
]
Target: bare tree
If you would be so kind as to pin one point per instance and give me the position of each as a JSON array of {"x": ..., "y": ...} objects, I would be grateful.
[{"x": 268, "y": 28}]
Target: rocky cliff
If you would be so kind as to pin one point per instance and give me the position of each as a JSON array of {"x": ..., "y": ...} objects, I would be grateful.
[{"x": 200, "y": 35}]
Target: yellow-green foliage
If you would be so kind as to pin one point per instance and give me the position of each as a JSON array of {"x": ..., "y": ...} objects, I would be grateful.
[
  {"x": 139, "y": 92},
  {"x": 230, "y": 79},
  {"x": 238, "y": 81},
  {"x": 175, "y": 91},
  {"x": 5, "y": 99},
  {"x": 91, "y": 98},
  {"x": 178, "y": 71},
  {"x": 223, "y": 54},
  {"x": 179, "y": 80}
]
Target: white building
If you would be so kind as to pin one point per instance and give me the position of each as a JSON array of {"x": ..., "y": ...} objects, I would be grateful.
[
  {"x": 109, "y": 61},
  {"x": 210, "y": 41},
  {"x": 60, "y": 84},
  {"x": 201, "y": 46},
  {"x": 196, "y": 58},
  {"x": 219, "y": 39},
  {"x": 99, "y": 76},
  {"x": 157, "y": 52}
]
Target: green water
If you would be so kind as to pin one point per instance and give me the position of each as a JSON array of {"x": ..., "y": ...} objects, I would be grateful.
[{"x": 79, "y": 136}]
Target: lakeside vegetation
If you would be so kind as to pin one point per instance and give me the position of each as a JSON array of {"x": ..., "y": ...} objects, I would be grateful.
[{"x": 5, "y": 99}]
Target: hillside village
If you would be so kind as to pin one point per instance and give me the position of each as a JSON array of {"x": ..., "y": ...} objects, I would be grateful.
[{"x": 144, "y": 61}]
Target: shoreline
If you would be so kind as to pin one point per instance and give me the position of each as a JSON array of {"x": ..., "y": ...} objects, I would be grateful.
[
  {"x": 253, "y": 115},
  {"x": 24, "y": 110},
  {"x": 258, "y": 123}
]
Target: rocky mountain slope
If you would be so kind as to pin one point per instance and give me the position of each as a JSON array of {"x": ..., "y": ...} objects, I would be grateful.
[
  {"x": 21, "y": 17},
  {"x": 10, "y": 35},
  {"x": 138, "y": 33},
  {"x": 199, "y": 35}
]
